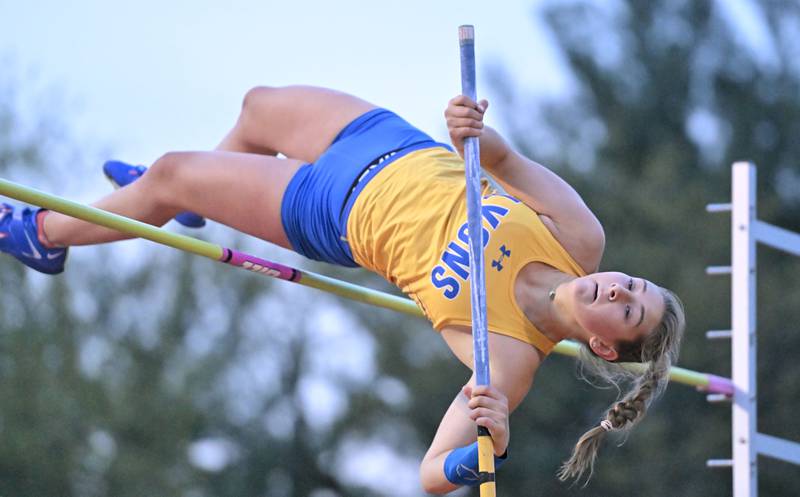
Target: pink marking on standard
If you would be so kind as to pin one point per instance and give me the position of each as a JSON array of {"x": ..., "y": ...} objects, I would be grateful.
[
  {"x": 259, "y": 265},
  {"x": 718, "y": 384}
]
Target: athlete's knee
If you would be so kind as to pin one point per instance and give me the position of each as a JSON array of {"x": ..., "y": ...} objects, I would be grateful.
[
  {"x": 258, "y": 98},
  {"x": 266, "y": 99},
  {"x": 166, "y": 166},
  {"x": 165, "y": 173}
]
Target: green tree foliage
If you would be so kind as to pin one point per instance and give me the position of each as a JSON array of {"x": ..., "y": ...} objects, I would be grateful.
[{"x": 666, "y": 96}]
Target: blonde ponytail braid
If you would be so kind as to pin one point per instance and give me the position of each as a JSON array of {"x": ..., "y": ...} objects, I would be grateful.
[{"x": 659, "y": 349}]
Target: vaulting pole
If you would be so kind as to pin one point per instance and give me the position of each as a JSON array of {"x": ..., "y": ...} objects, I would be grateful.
[{"x": 477, "y": 275}]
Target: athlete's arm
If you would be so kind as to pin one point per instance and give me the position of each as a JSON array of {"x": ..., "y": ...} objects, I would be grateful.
[
  {"x": 564, "y": 211},
  {"x": 513, "y": 365},
  {"x": 472, "y": 407}
]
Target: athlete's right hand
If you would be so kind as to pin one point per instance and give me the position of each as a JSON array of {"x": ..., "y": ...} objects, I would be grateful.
[
  {"x": 464, "y": 118},
  {"x": 489, "y": 408}
]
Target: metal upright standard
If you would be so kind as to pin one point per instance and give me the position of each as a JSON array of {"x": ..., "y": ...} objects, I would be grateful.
[{"x": 746, "y": 233}]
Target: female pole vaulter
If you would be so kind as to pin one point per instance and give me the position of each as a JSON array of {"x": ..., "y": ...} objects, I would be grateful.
[{"x": 359, "y": 186}]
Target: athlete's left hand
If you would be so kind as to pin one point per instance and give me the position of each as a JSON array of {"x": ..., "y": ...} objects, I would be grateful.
[
  {"x": 489, "y": 408},
  {"x": 464, "y": 119}
]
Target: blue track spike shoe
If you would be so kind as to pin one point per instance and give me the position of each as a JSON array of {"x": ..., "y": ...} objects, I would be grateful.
[
  {"x": 19, "y": 237},
  {"x": 121, "y": 174}
]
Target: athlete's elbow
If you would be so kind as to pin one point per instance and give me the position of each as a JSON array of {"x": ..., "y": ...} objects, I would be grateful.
[
  {"x": 436, "y": 488},
  {"x": 596, "y": 237},
  {"x": 432, "y": 478},
  {"x": 592, "y": 244}
]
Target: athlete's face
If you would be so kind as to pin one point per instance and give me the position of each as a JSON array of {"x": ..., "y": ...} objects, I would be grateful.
[{"x": 616, "y": 307}]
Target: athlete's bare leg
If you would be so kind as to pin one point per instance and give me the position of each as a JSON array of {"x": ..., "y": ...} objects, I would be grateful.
[
  {"x": 299, "y": 122},
  {"x": 243, "y": 191},
  {"x": 241, "y": 184}
]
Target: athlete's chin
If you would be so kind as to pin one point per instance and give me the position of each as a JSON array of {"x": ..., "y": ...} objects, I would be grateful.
[{"x": 584, "y": 291}]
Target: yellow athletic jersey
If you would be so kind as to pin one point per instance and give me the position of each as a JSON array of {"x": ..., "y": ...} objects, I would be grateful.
[{"x": 409, "y": 225}]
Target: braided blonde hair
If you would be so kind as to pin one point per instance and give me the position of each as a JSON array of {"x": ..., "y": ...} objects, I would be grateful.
[{"x": 657, "y": 351}]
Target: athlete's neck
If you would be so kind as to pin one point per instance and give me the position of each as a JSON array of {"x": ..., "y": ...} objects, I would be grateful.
[{"x": 537, "y": 291}]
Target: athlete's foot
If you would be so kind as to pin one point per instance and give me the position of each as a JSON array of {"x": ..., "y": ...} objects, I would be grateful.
[
  {"x": 19, "y": 236},
  {"x": 121, "y": 174}
]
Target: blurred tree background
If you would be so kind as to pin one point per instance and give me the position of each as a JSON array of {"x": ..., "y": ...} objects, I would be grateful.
[{"x": 156, "y": 373}]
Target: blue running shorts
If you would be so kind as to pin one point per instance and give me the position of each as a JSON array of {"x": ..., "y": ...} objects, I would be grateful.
[{"x": 318, "y": 199}]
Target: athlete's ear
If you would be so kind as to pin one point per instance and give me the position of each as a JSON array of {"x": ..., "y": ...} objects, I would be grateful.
[{"x": 602, "y": 349}]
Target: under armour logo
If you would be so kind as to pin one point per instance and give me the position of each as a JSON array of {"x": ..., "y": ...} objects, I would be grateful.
[{"x": 504, "y": 252}]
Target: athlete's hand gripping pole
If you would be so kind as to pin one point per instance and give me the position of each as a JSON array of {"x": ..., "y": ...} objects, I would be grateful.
[{"x": 480, "y": 339}]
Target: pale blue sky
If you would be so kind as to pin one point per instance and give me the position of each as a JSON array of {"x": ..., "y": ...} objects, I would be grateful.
[{"x": 151, "y": 76}]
